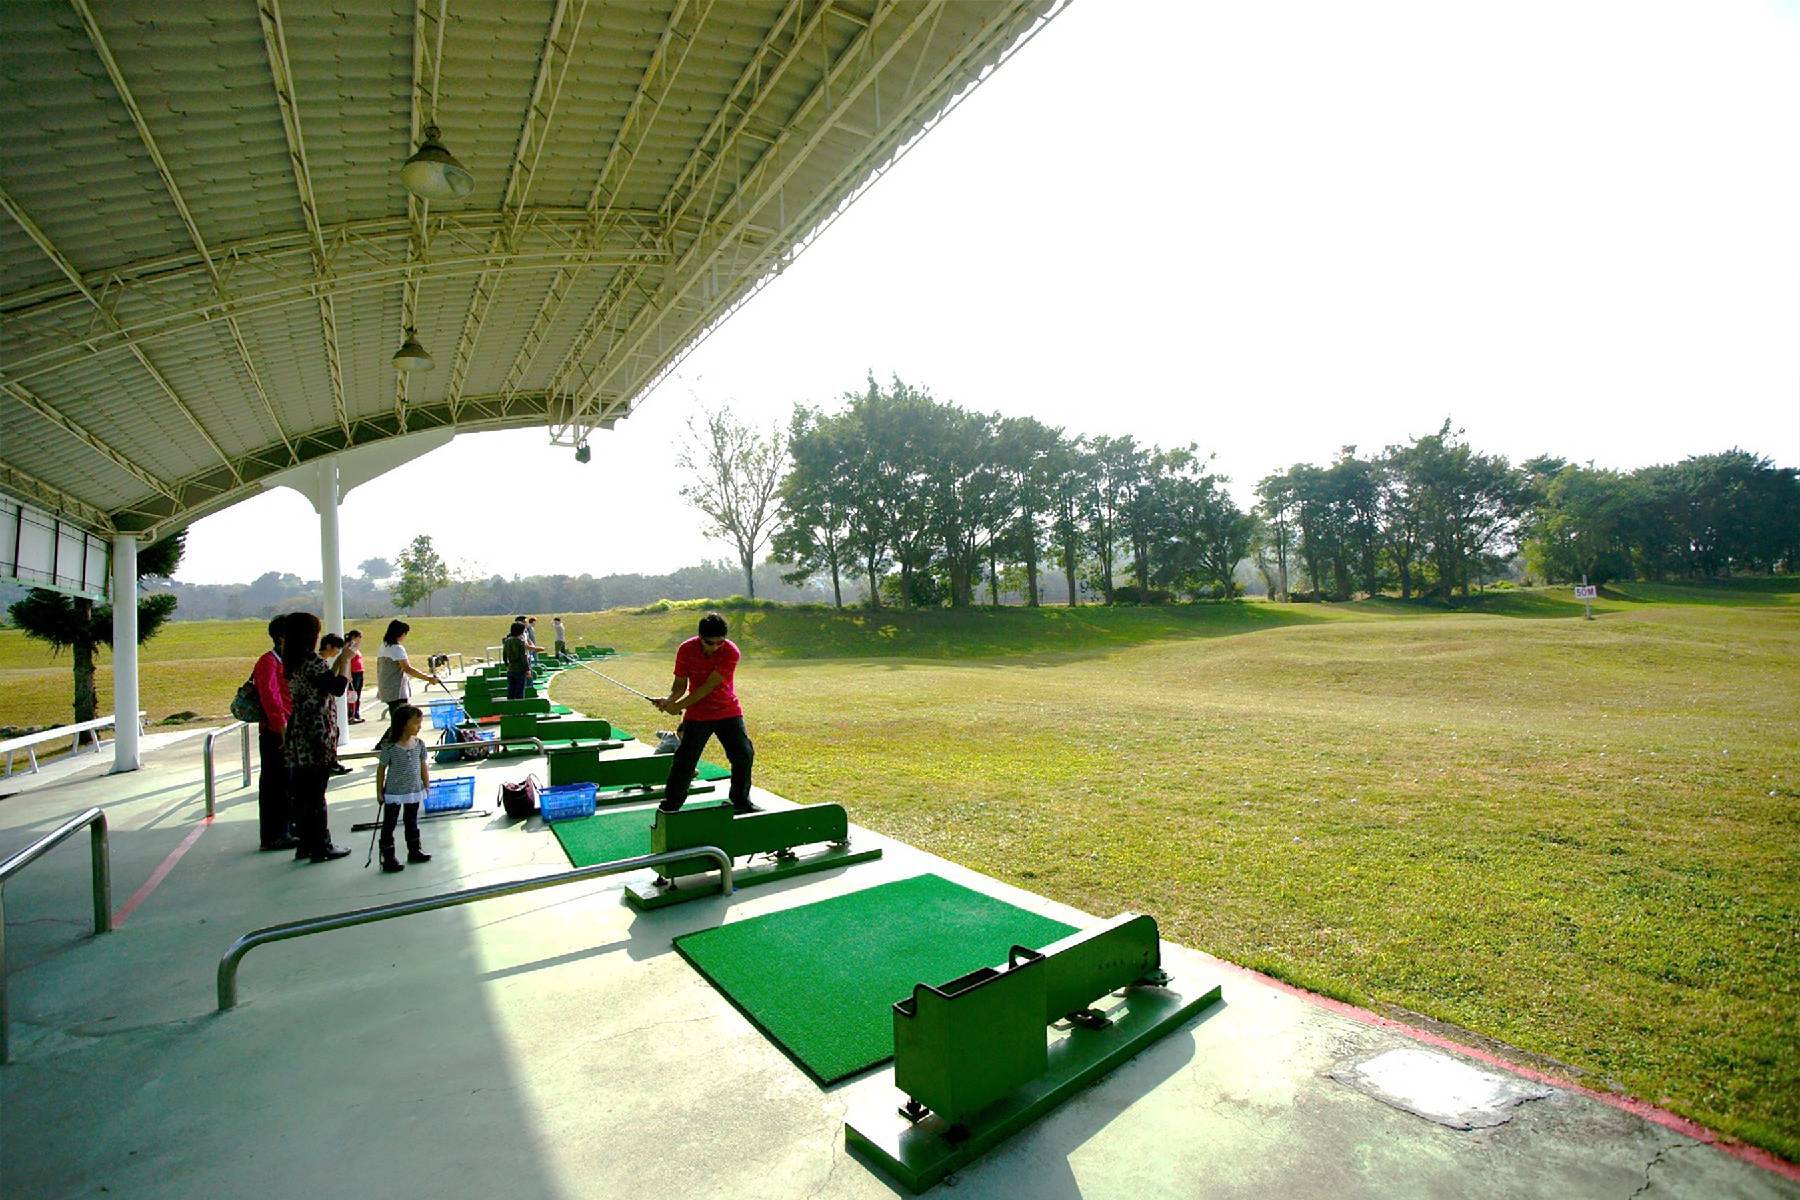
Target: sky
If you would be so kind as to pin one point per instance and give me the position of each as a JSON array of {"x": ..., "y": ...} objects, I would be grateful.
[{"x": 1274, "y": 230}]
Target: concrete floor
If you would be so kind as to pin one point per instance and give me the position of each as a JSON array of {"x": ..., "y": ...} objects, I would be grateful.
[{"x": 553, "y": 1046}]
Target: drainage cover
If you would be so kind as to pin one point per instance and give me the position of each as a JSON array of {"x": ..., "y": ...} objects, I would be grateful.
[{"x": 1440, "y": 1088}]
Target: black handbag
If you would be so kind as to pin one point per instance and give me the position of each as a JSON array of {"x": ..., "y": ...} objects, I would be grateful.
[{"x": 520, "y": 799}]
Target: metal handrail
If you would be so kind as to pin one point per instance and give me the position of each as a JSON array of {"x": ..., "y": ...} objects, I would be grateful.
[
  {"x": 228, "y": 965},
  {"x": 491, "y": 744},
  {"x": 102, "y": 854},
  {"x": 211, "y": 773}
]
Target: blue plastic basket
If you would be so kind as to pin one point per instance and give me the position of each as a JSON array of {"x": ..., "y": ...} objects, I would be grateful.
[
  {"x": 450, "y": 795},
  {"x": 567, "y": 801},
  {"x": 447, "y": 714}
]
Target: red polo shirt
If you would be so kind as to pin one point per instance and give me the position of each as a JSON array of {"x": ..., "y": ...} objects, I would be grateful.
[{"x": 695, "y": 665}]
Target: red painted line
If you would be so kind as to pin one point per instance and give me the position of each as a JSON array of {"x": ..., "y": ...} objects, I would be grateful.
[
  {"x": 162, "y": 870},
  {"x": 1685, "y": 1126}
]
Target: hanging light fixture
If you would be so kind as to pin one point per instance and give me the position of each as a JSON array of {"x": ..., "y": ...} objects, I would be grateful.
[
  {"x": 582, "y": 452},
  {"x": 433, "y": 174},
  {"x": 411, "y": 356}
]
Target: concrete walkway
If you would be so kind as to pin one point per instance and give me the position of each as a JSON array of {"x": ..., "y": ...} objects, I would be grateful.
[{"x": 553, "y": 1046}]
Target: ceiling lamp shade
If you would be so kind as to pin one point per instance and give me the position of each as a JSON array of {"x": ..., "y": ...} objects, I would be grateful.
[
  {"x": 411, "y": 356},
  {"x": 432, "y": 174}
]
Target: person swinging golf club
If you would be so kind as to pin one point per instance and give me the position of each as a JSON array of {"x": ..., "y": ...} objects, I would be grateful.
[{"x": 702, "y": 696}]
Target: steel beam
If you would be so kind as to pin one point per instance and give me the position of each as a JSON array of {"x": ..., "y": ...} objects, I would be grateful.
[
  {"x": 56, "y": 256},
  {"x": 943, "y": 91},
  {"x": 540, "y": 111},
  {"x": 275, "y": 42},
  {"x": 187, "y": 218},
  {"x": 763, "y": 182},
  {"x": 85, "y": 436},
  {"x": 765, "y": 81},
  {"x": 29, "y": 487},
  {"x": 358, "y": 259},
  {"x": 633, "y": 131}
]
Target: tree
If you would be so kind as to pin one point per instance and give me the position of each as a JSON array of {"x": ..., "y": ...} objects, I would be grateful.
[
  {"x": 76, "y": 623},
  {"x": 1071, "y": 464},
  {"x": 422, "y": 572},
  {"x": 376, "y": 568},
  {"x": 817, "y": 503},
  {"x": 1277, "y": 495},
  {"x": 735, "y": 476},
  {"x": 1206, "y": 535},
  {"x": 1029, "y": 450},
  {"x": 1576, "y": 531},
  {"x": 1116, "y": 472}
]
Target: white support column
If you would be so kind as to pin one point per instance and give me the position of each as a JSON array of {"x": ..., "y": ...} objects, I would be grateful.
[
  {"x": 332, "y": 577},
  {"x": 125, "y": 653}
]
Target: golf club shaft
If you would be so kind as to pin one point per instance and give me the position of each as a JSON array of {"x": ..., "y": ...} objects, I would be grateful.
[{"x": 617, "y": 684}]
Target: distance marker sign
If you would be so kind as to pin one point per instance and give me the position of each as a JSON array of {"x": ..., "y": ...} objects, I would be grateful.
[{"x": 1586, "y": 593}]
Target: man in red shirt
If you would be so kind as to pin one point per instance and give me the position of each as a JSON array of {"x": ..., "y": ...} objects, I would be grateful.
[
  {"x": 272, "y": 804},
  {"x": 703, "y": 697}
]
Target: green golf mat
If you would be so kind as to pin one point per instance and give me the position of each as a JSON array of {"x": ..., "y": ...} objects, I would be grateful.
[
  {"x": 607, "y": 836},
  {"x": 821, "y": 980}
]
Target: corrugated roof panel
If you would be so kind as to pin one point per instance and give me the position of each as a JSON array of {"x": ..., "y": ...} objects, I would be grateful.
[
  {"x": 352, "y": 66},
  {"x": 363, "y": 320},
  {"x": 490, "y": 61},
  {"x": 119, "y": 402},
  {"x": 442, "y": 306},
  {"x": 72, "y": 159},
  {"x": 206, "y": 371},
  {"x": 53, "y": 85},
  {"x": 611, "y": 52},
  {"x": 64, "y": 462},
  {"x": 584, "y": 293},
  {"x": 289, "y": 347}
]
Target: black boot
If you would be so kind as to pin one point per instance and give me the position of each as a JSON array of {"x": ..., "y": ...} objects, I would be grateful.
[
  {"x": 389, "y": 863},
  {"x": 415, "y": 846}
]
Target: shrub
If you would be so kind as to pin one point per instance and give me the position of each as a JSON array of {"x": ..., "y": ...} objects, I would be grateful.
[{"x": 1131, "y": 593}]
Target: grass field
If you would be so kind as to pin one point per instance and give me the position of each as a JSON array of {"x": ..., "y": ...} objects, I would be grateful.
[{"x": 1580, "y": 839}]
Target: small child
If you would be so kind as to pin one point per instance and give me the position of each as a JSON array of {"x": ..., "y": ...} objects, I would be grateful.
[{"x": 401, "y": 779}]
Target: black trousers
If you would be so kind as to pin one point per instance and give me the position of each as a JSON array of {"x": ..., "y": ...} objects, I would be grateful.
[
  {"x": 738, "y": 752},
  {"x": 390, "y": 814},
  {"x": 272, "y": 788},
  {"x": 309, "y": 808},
  {"x": 515, "y": 684}
]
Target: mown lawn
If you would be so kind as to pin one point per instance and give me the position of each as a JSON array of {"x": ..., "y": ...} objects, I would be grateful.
[{"x": 1578, "y": 838}]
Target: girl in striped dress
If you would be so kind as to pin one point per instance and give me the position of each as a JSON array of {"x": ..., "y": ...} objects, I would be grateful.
[{"x": 401, "y": 777}]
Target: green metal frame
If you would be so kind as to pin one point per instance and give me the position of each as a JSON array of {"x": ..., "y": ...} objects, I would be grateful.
[
  {"x": 971, "y": 1057},
  {"x": 551, "y": 727},
  {"x": 588, "y": 765},
  {"x": 774, "y": 833}
]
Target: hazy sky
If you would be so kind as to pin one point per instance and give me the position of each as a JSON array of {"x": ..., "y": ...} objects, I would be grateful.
[{"x": 1273, "y": 229}]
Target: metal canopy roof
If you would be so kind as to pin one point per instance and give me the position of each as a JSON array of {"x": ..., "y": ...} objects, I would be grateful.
[{"x": 209, "y": 259}]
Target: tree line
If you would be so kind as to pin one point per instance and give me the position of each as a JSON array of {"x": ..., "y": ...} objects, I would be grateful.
[
  {"x": 918, "y": 502},
  {"x": 925, "y": 502}
]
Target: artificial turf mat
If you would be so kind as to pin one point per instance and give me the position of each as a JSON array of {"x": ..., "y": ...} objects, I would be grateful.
[
  {"x": 607, "y": 836},
  {"x": 821, "y": 980}
]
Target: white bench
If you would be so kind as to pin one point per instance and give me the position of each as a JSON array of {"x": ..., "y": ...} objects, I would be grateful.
[{"x": 31, "y": 741}]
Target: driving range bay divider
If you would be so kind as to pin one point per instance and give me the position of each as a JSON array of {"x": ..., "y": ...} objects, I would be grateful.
[
  {"x": 101, "y": 849},
  {"x": 228, "y": 965}
]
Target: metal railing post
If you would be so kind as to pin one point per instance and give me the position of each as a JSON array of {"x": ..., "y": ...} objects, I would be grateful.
[
  {"x": 211, "y": 771},
  {"x": 102, "y": 853},
  {"x": 100, "y": 849},
  {"x": 228, "y": 965}
]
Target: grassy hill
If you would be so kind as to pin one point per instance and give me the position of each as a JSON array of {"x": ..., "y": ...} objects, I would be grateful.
[{"x": 1577, "y": 838}]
